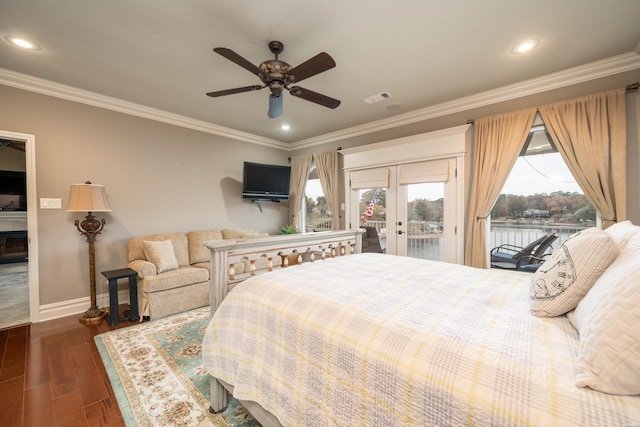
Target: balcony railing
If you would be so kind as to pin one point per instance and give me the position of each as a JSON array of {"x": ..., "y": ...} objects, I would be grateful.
[{"x": 425, "y": 239}]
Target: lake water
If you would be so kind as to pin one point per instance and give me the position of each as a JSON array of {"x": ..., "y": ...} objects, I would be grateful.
[{"x": 432, "y": 248}]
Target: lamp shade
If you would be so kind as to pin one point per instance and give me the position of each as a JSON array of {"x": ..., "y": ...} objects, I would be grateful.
[{"x": 88, "y": 197}]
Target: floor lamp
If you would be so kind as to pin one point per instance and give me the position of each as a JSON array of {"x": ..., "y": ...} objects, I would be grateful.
[{"x": 90, "y": 198}]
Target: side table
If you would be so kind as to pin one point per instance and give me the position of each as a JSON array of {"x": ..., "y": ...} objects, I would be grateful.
[{"x": 113, "y": 276}]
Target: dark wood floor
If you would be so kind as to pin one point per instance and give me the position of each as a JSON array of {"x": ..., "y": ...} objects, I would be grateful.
[{"x": 51, "y": 374}]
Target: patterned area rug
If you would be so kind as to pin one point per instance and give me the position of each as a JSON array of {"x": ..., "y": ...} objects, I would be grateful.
[{"x": 157, "y": 375}]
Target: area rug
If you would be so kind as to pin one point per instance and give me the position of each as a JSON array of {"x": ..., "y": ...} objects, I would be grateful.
[{"x": 156, "y": 372}]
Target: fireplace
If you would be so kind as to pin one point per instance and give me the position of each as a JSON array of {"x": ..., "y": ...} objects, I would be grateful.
[
  {"x": 14, "y": 241},
  {"x": 13, "y": 217},
  {"x": 13, "y": 246}
]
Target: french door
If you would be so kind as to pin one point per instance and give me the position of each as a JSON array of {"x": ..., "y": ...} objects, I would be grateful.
[{"x": 414, "y": 207}]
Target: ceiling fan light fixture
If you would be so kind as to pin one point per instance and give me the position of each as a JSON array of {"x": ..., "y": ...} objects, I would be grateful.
[
  {"x": 275, "y": 106},
  {"x": 525, "y": 46}
]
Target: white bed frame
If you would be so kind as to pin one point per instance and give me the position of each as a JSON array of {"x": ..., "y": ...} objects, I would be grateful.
[{"x": 310, "y": 247}]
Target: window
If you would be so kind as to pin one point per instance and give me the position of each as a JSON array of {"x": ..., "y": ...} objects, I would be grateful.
[
  {"x": 317, "y": 213},
  {"x": 540, "y": 196}
]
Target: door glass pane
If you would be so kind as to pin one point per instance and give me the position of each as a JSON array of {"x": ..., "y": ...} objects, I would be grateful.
[
  {"x": 425, "y": 238},
  {"x": 317, "y": 213},
  {"x": 372, "y": 206}
]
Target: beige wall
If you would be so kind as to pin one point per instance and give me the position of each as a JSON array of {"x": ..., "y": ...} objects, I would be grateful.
[{"x": 158, "y": 177}]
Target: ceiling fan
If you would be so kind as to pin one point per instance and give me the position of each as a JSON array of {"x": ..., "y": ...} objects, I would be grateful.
[{"x": 278, "y": 75}]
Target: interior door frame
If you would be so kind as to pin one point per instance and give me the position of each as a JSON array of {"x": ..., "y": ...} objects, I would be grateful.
[{"x": 32, "y": 220}]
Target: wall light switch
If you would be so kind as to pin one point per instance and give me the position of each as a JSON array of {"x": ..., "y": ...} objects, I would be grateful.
[{"x": 50, "y": 203}]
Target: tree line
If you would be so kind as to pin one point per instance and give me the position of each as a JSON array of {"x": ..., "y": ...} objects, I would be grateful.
[{"x": 559, "y": 206}]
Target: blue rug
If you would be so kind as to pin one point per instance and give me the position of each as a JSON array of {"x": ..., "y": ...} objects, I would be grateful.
[{"x": 157, "y": 375}]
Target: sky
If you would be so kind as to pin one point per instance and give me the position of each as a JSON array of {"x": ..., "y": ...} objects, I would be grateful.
[{"x": 543, "y": 173}]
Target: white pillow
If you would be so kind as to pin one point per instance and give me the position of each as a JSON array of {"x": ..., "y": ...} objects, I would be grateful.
[
  {"x": 622, "y": 232},
  {"x": 608, "y": 321},
  {"x": 161, "y": 254},
  {"x": 564, "y": 278}
]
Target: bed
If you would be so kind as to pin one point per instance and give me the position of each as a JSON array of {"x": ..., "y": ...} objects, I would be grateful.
[{"x": 374, "y": 339}]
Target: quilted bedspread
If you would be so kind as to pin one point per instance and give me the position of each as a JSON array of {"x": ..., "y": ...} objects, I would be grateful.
[{"x": 380, "y": 340}]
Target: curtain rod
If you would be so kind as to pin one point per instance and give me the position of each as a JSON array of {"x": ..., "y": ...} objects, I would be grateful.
[
  {"x": 629, "y": 88},
  {"x": 339, "y": 148}
]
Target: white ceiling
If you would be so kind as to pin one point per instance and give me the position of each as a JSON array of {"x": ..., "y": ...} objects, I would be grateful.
[{"x": 158, "y": 53}]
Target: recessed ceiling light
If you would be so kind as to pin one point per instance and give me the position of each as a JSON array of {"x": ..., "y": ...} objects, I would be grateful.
[
  {"x": 21, "y": 42},
  {"x": 285, "y": 127},
  {"x": 525, "y": 46}
]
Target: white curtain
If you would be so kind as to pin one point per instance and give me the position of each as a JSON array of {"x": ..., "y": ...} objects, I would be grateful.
[
  {"x": 327, "y": 165},
  {"x": 300, "y": 167}
]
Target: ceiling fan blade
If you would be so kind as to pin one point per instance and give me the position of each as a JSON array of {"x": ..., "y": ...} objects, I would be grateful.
[
  {"x": 236, "y": 90},
  {"x": 234, "y": 57},
  {"x": 275, "y": 106},
  {"x": 312, "y": 96},
  {"x": 316, "y": 65},
  {"x": 16, "y": 145}
]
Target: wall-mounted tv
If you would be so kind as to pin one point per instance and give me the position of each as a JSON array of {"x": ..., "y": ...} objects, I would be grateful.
[{"x": 265, "y": 182}]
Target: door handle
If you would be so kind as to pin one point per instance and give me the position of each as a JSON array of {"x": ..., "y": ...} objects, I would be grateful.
[{"x": 399, "y": 231}]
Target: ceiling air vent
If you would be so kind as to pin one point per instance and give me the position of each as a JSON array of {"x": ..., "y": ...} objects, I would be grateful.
[{"x": 377, "y": 98}]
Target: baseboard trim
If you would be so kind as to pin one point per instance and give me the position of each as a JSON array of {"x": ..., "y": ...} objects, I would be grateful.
[{"x": 78, "y": 306}]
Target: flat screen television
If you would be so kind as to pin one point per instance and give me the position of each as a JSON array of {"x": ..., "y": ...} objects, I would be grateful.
[{"x": 265, "y": 182}]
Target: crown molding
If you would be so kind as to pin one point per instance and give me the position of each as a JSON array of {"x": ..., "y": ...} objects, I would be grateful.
[
  {"x": 594, "y": 70},
  {"x": 598, "y": 69},
  {"x": 46, "y": 87}
]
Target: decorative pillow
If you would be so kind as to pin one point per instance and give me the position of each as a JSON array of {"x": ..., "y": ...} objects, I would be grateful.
[
  {"x": 622, "y": 232},
  {"x": 564, "y": 278},
  {"x": 608, "y": 321},
  {"x": 161, "y": 254},
  {"x": 179, "y": 240}
]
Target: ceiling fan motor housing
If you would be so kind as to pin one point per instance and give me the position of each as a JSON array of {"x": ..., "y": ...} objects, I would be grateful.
[{"x": 272, "y": 74}]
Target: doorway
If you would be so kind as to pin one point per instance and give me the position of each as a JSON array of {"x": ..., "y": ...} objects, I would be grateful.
[
  {"x": 413, "y": 207},
  {"x": 19, "y": 285}
]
